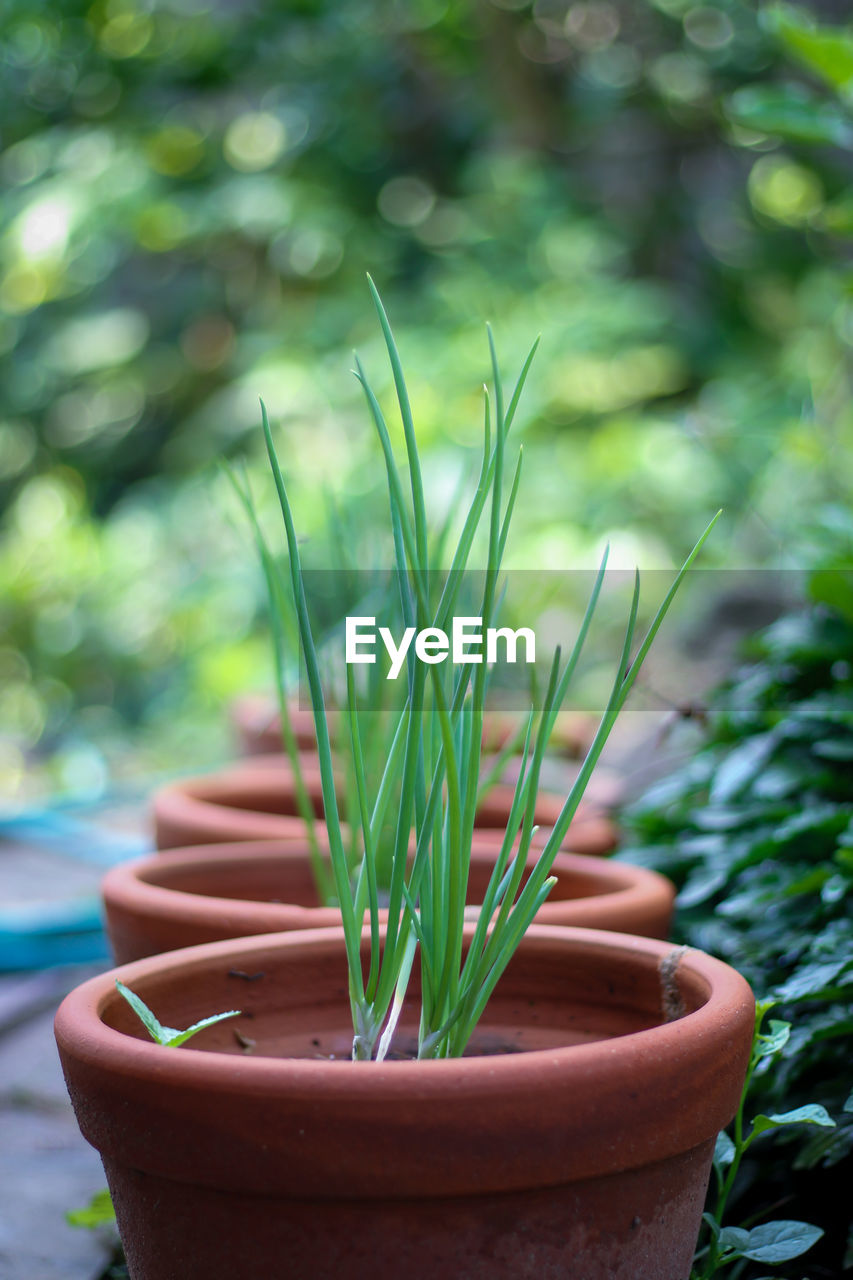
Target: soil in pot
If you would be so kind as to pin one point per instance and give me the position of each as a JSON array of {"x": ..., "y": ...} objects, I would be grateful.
[
  {"x": 255, "y": 800},
  {"x": 207, "y": 893},
  {"x": 587, "y": 1154}
]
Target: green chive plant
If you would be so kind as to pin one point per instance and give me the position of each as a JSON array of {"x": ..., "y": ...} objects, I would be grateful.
[
  {"x": 432, "y": 766},
  {"x": 365, "y": 593}
]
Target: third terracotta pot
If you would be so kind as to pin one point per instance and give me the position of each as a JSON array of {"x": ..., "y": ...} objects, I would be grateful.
[{"x": 255, "y": 800}]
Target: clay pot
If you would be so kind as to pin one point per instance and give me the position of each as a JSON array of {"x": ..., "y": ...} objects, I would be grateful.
[
  {"x": 592, "y": 832},
  {"x": 256, "y": 720},
  {"x": 257, "y": 723},
  {"x": 587, "y": 1154},
  {"x": 206, "y": 893},
  {"x": 251, "y": 800},
  {"x": 254, "y": 800}
]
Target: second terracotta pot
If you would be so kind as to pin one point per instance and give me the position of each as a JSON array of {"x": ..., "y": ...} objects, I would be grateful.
[
  {"x": 255, "y": 800},
  {"x": 208, "y": 893}
]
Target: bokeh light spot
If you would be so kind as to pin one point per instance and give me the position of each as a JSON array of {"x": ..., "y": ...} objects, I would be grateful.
[
  {"x": 682, "y": 77},
  {"x": 708, "y": 28},
  {"x": 592, "y": 26},
  {"x": 17, "y": 447},
  {"x": 175, "y": 150},
  {"x": 25, "y": 287},
  {"x": 406, "y": 201},
  {"x": 45, "y": 504},
  {"x": 315, "y": 253},
  {"x": 254, "y": 141},
  {"x": 26, "y": 44},
  {"x": 617, "y": 66},
  {"x": 161, "y": 226},
  {"x": 784, "y": 191},
  {"x": 99, "y": 341},
  {"x": 25, "y": 161},
  {"x": 42, "y": 230},
  {"x": 126, "y": 35},
  {"x": 112, "y": 410}
]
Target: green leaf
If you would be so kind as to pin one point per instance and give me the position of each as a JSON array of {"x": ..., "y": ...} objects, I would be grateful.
[
  {"x": 700, "y": 887},
  {"x": 780, "y": 1241},
  {"x": 848, "y": 1106},
  {"x": 182, "y": 1036},
  {"x": 826, "y": 51},
  {"x": 155, "y": 1029},
  {"x": 834, "y": 749},
  {"x": 712, "y": 1224},
  {"x": 791, "y": 113},
  {"x": 835, "y": 586},
  {"x": 812, "y": 979},
  {"x": 724, "y": 1150},
  {"x": 835, "y": 889},
  {"x": 773, "y": 1042},
  {"x": 814, "y": 1113},
  {"x": 763, "y": 1007},
  {"x": 741, "y": 765},
  {"x": 171, "y": 1037},
  {"x": 99, "y": 1212},
  {"x": 733, "y": 1240}
]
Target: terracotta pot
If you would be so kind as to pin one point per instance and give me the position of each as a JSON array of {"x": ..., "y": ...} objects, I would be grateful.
[
  {"x": 591, "y": 832},
  {"x": 254, "y": 800},
  {"x": 251, "y": 800},
  {"x": 585, "y": 1155},
  {"x": 256, "y": 720},
  {"x": 211, "y": 892}
]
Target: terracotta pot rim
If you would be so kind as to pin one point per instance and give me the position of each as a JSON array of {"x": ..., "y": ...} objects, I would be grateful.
[
  {"x": 720, "y": 985},
  {"x": 206, "y": 808},
  {"x": 137, "y": 883},
  {"x": 577, "y": 1111}
]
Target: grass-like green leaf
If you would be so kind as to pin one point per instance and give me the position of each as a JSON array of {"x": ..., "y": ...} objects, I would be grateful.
[{"x": 430, "y": 777}]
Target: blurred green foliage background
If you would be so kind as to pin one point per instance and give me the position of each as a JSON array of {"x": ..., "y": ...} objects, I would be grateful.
[{"x": 193, "y": 192}]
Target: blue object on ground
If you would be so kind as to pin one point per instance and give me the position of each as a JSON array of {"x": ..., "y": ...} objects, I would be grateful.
[
  {"x": 41, "y": 935},
  {"x": 83, "y": 841}
]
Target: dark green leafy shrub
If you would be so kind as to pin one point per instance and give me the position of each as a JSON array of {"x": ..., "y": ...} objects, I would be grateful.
[{"x": 757, "y": 832}]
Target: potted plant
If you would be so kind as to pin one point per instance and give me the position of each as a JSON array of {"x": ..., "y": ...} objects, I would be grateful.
[{"x": 587, "y": 1152}]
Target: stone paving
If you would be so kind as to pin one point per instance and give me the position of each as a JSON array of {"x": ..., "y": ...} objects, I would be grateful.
[{"x": 46, "y": 1168}]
